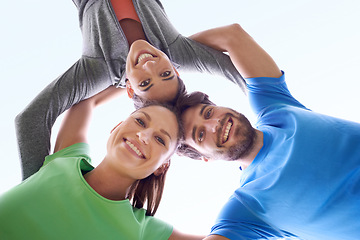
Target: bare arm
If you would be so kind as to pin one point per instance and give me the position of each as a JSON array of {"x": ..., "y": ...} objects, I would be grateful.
[
  {"x": 176, "y": 235},
  {"x": 247, "y": 56},
  {"x": 75, "y": 124},
  {"x": 215, "y": 237}
]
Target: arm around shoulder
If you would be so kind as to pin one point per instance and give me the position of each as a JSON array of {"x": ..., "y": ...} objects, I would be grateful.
[
  {"x": 249, "y": 58},
  {"x": 75, "y": 124}
]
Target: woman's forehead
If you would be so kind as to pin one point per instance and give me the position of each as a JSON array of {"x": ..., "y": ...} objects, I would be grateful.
[
  {"x": 161, "y": 119},
  {"x": 151, "y": 109},
  {"x": 158, "y": 113}
]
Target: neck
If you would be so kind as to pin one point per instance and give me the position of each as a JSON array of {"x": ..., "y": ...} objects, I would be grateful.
[
  {"x": 107, "y": 182},
  {"x": 258, "y": 143},
  {"x": 133, "y": 30}
]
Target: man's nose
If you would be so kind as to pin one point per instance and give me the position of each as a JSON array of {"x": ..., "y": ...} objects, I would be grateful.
[
  {"x": 212, "y": 124},
  {"x": 145, "y": 135}
]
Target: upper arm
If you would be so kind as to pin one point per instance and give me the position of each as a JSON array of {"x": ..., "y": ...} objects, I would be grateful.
[
  {"x": 193, "y": 55},
  {"x": 249, "y": 58},
  {"x": 177, "y": 235},
  {"x": 75, "y": 124}
]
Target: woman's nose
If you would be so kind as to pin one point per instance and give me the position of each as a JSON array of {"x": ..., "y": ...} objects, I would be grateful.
[
  {"x": 144, "y": 135},
  {"x": 149, "y": 65}
]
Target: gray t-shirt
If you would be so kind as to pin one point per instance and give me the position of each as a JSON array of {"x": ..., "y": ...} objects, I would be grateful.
[{"x": 102, "y": 64}]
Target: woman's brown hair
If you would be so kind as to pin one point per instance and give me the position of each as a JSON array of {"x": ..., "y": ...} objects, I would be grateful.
[{"x": 149, "y": 190}]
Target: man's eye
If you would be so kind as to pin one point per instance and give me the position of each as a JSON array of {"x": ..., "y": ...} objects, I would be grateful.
[
  {"x": 160, "y": 140},
  {"x": 144, "y": 83},
  {"x": 165, "y": 74},
  {"x": 201, "y": 136},
  {"x": 208, "y": 113},
  {"x": 139, "y": 121}
]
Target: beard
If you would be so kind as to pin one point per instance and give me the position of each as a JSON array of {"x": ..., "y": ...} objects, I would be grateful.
[{"x": 244, "y": 134}]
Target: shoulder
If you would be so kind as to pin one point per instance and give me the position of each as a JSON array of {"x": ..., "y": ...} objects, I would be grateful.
[
  {"x": 265, "y": 81},
  {"x": 152, "y": 227},
  {"x": 75, "y": 150},
  {"x": 266, "y": 91}
]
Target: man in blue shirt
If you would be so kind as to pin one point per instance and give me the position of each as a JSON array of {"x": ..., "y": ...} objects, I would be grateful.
[{"x": 301, "y": 169}]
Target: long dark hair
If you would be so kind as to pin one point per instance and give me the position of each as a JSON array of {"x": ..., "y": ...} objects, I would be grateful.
[{"x": 149, "y": 190}]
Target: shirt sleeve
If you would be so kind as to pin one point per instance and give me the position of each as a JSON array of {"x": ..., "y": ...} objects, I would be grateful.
[
  {"x": 194, "y": 56},
  {"x": 155, "y": 228},
  {"x": 236, "y": 221},
  {"x": 87, "y": 77},
  {"x": 264, "y": 92},
  {"x": 75, "y": 150}
]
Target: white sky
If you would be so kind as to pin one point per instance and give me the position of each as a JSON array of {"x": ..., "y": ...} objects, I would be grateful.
[{"x": 315, "y": 42}]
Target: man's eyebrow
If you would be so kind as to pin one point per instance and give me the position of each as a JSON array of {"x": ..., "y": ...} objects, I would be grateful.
[
  {"x": 166, "y": 133},
  {"x": 148, "y": 88},
  {"x": 193, "y": 133},
  {"x": 195, "y": 127},
  {"x": 202, "y": 109},
  {"x": 169, "y": 78}
]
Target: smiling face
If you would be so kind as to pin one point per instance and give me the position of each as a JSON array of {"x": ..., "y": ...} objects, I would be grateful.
[
  {"x": 218, "y": 132},
  {"x": 150, "y": 71},
  {"x": 144, "y": 141}
]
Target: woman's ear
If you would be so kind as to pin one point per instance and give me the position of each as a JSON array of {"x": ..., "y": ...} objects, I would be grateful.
[
  {"x": 162, "y": 168},
  {"x": 115, "y": 127},
  {"x": 129, "y": 89}
]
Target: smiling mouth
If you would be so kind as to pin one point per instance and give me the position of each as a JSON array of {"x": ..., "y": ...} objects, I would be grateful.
[
  {"x": 144, "y": 56},
  {"x": 134, "y": 148},
  {"x": 228, "y": 126}
]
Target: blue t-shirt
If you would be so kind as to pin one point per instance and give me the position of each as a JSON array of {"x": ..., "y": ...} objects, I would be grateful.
[{"x": 304, "y": 182}]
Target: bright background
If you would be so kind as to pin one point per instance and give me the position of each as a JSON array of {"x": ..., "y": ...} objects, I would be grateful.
[{"x": 315, "y": 42}]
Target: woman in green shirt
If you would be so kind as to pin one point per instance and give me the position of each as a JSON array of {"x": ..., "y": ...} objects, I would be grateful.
[{"x": 70, "y": 199}]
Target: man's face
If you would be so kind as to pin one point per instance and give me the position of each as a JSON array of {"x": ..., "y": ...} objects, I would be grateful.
[{"x": 218, "y": 132}]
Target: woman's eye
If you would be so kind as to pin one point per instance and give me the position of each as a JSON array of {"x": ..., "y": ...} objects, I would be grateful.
[
  {"x": 208, "y": 113},
  {"x": 160, "y": 140},
  {"x": 201, "y": 136},
  {"x": 165, "y": 74},
  {"x": 139, "y": 121},
  {"x": 144, "y": 83}
]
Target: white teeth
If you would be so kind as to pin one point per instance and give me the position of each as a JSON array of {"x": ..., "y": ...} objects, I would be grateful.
[
  {"x": 227, "y": 130},
  {"x": 144, "y": 55},
  {"x": 134, "y": 148}
]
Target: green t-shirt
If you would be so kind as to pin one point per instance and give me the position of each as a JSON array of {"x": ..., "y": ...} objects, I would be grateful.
[{"x": 57, "y": 203}]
